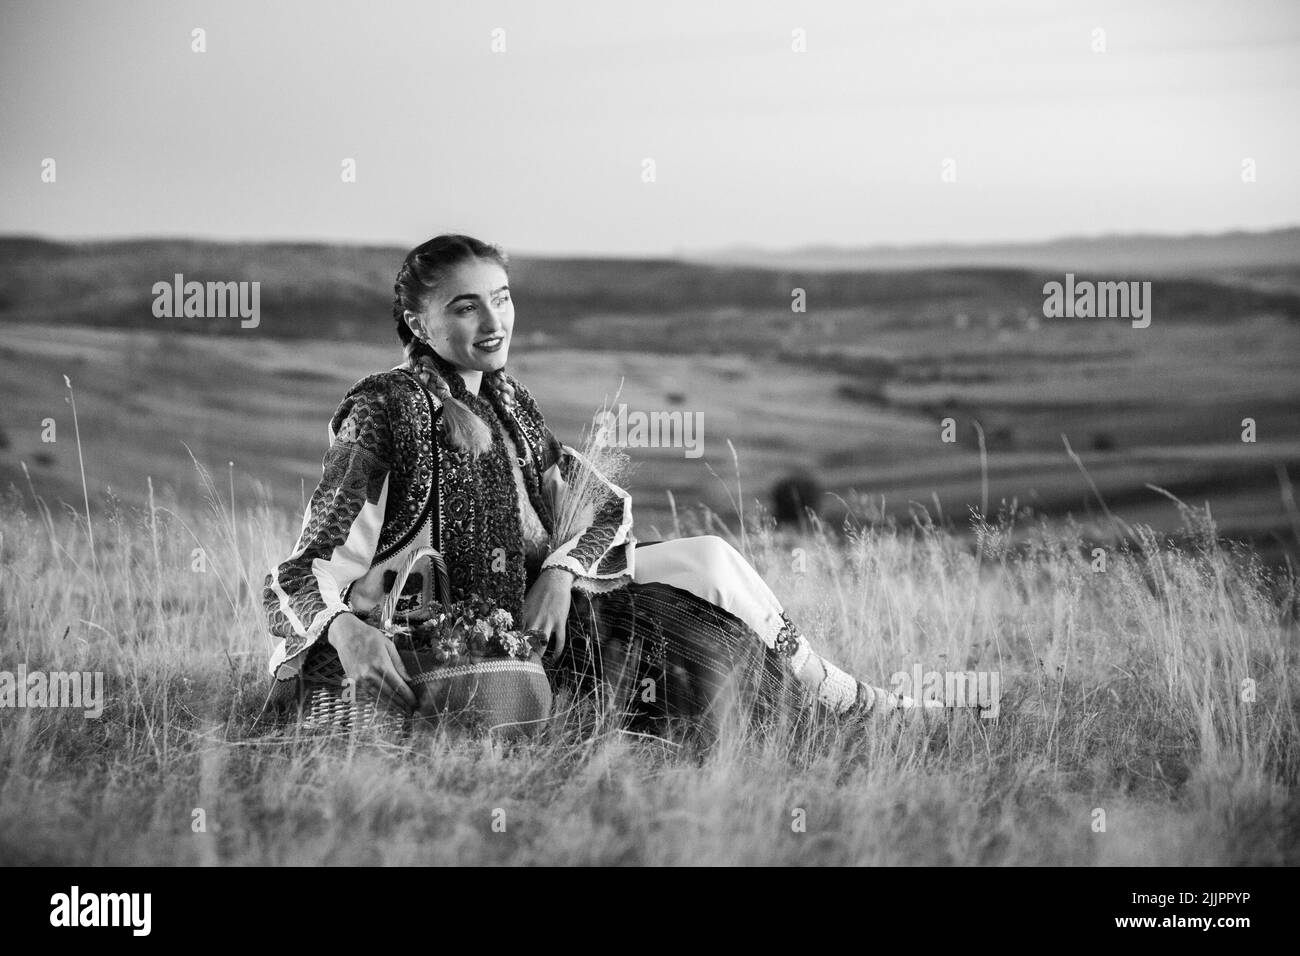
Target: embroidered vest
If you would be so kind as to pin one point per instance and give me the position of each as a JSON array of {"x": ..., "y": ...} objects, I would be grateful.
[{"x": 472, "y": 506}]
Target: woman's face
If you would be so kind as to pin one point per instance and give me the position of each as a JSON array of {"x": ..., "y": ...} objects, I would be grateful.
[{"x": 469, "y": 317}]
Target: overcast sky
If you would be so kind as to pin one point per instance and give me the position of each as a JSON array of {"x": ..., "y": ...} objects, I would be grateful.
[{"x": 541, "y": 147}]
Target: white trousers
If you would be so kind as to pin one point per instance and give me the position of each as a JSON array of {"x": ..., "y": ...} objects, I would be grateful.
[{"x": 710, "y": 568}]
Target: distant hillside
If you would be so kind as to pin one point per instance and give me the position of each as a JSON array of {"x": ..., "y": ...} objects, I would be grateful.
[
  {"x": 336, "y": 291},
  {"x": 853, "y": 390},
  {"x": 1164, "y": 255}
]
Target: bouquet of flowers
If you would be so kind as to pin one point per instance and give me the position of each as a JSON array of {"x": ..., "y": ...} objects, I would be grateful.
[{"x": 462, "y": 632}]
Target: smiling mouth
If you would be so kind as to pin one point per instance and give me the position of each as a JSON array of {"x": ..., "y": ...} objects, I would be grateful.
[{"x": 490, "y": 344}]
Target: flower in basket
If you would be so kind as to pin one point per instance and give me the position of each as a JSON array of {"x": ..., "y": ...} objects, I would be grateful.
[{"x": 466, "y": 631}]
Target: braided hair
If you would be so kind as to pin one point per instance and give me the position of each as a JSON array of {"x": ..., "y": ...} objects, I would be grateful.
[{"x": 422, "y": 271}]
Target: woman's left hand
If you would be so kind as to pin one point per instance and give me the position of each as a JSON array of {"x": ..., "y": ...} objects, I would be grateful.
[{"x": 546, "y": 606}]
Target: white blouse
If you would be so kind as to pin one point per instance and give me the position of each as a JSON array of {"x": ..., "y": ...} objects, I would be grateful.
[{"x": 534, "y": 532}]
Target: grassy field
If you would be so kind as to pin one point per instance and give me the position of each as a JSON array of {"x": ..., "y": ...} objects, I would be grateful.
[{"x": 1127, "y": 734}]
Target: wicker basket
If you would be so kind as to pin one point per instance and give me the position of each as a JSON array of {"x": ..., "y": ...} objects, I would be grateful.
[
  {"x": 511, "y": 697},
  {"x": 508, "y": 696},
  {"x": 328, "y": 702}
]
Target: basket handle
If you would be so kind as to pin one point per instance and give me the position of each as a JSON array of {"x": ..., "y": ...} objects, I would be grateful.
[{"x": 389, "y": 606}]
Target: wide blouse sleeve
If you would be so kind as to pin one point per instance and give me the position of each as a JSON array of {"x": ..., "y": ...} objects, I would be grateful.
[
  {"x": 340, "y": 530},
  {"x": 602, "y": 556}
]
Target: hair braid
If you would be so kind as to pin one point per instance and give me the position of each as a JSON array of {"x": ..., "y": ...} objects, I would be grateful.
[
  {"x": 500, "y": 384},
  {"x": 463, "y": 428}
]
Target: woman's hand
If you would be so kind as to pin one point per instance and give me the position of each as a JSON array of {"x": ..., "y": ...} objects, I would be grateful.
[
  {"x": 546, "y": 606},
  {"x": 371, "y": 661}
]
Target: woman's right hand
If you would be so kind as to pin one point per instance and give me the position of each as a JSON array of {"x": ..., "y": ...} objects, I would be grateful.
[{"x": 371, "y": 660}]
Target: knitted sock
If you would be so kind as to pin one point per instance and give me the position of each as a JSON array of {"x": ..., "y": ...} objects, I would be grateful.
[{"x": 833, "y": 687}]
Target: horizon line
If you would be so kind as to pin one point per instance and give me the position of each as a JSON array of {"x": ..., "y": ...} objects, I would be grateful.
[{"x": 676, "y": 253}]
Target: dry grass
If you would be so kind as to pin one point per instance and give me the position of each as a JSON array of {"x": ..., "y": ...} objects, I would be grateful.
[{"x": 1122, "y": 691}]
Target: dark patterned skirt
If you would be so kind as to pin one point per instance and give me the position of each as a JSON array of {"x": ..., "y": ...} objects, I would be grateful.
[{"x": 655, "y": 655}]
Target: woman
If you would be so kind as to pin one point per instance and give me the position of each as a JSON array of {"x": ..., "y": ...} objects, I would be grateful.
[{"x": 447, "y": 450}]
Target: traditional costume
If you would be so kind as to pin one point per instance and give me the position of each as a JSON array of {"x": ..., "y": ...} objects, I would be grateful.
[{"x": 691, "y": 616}]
